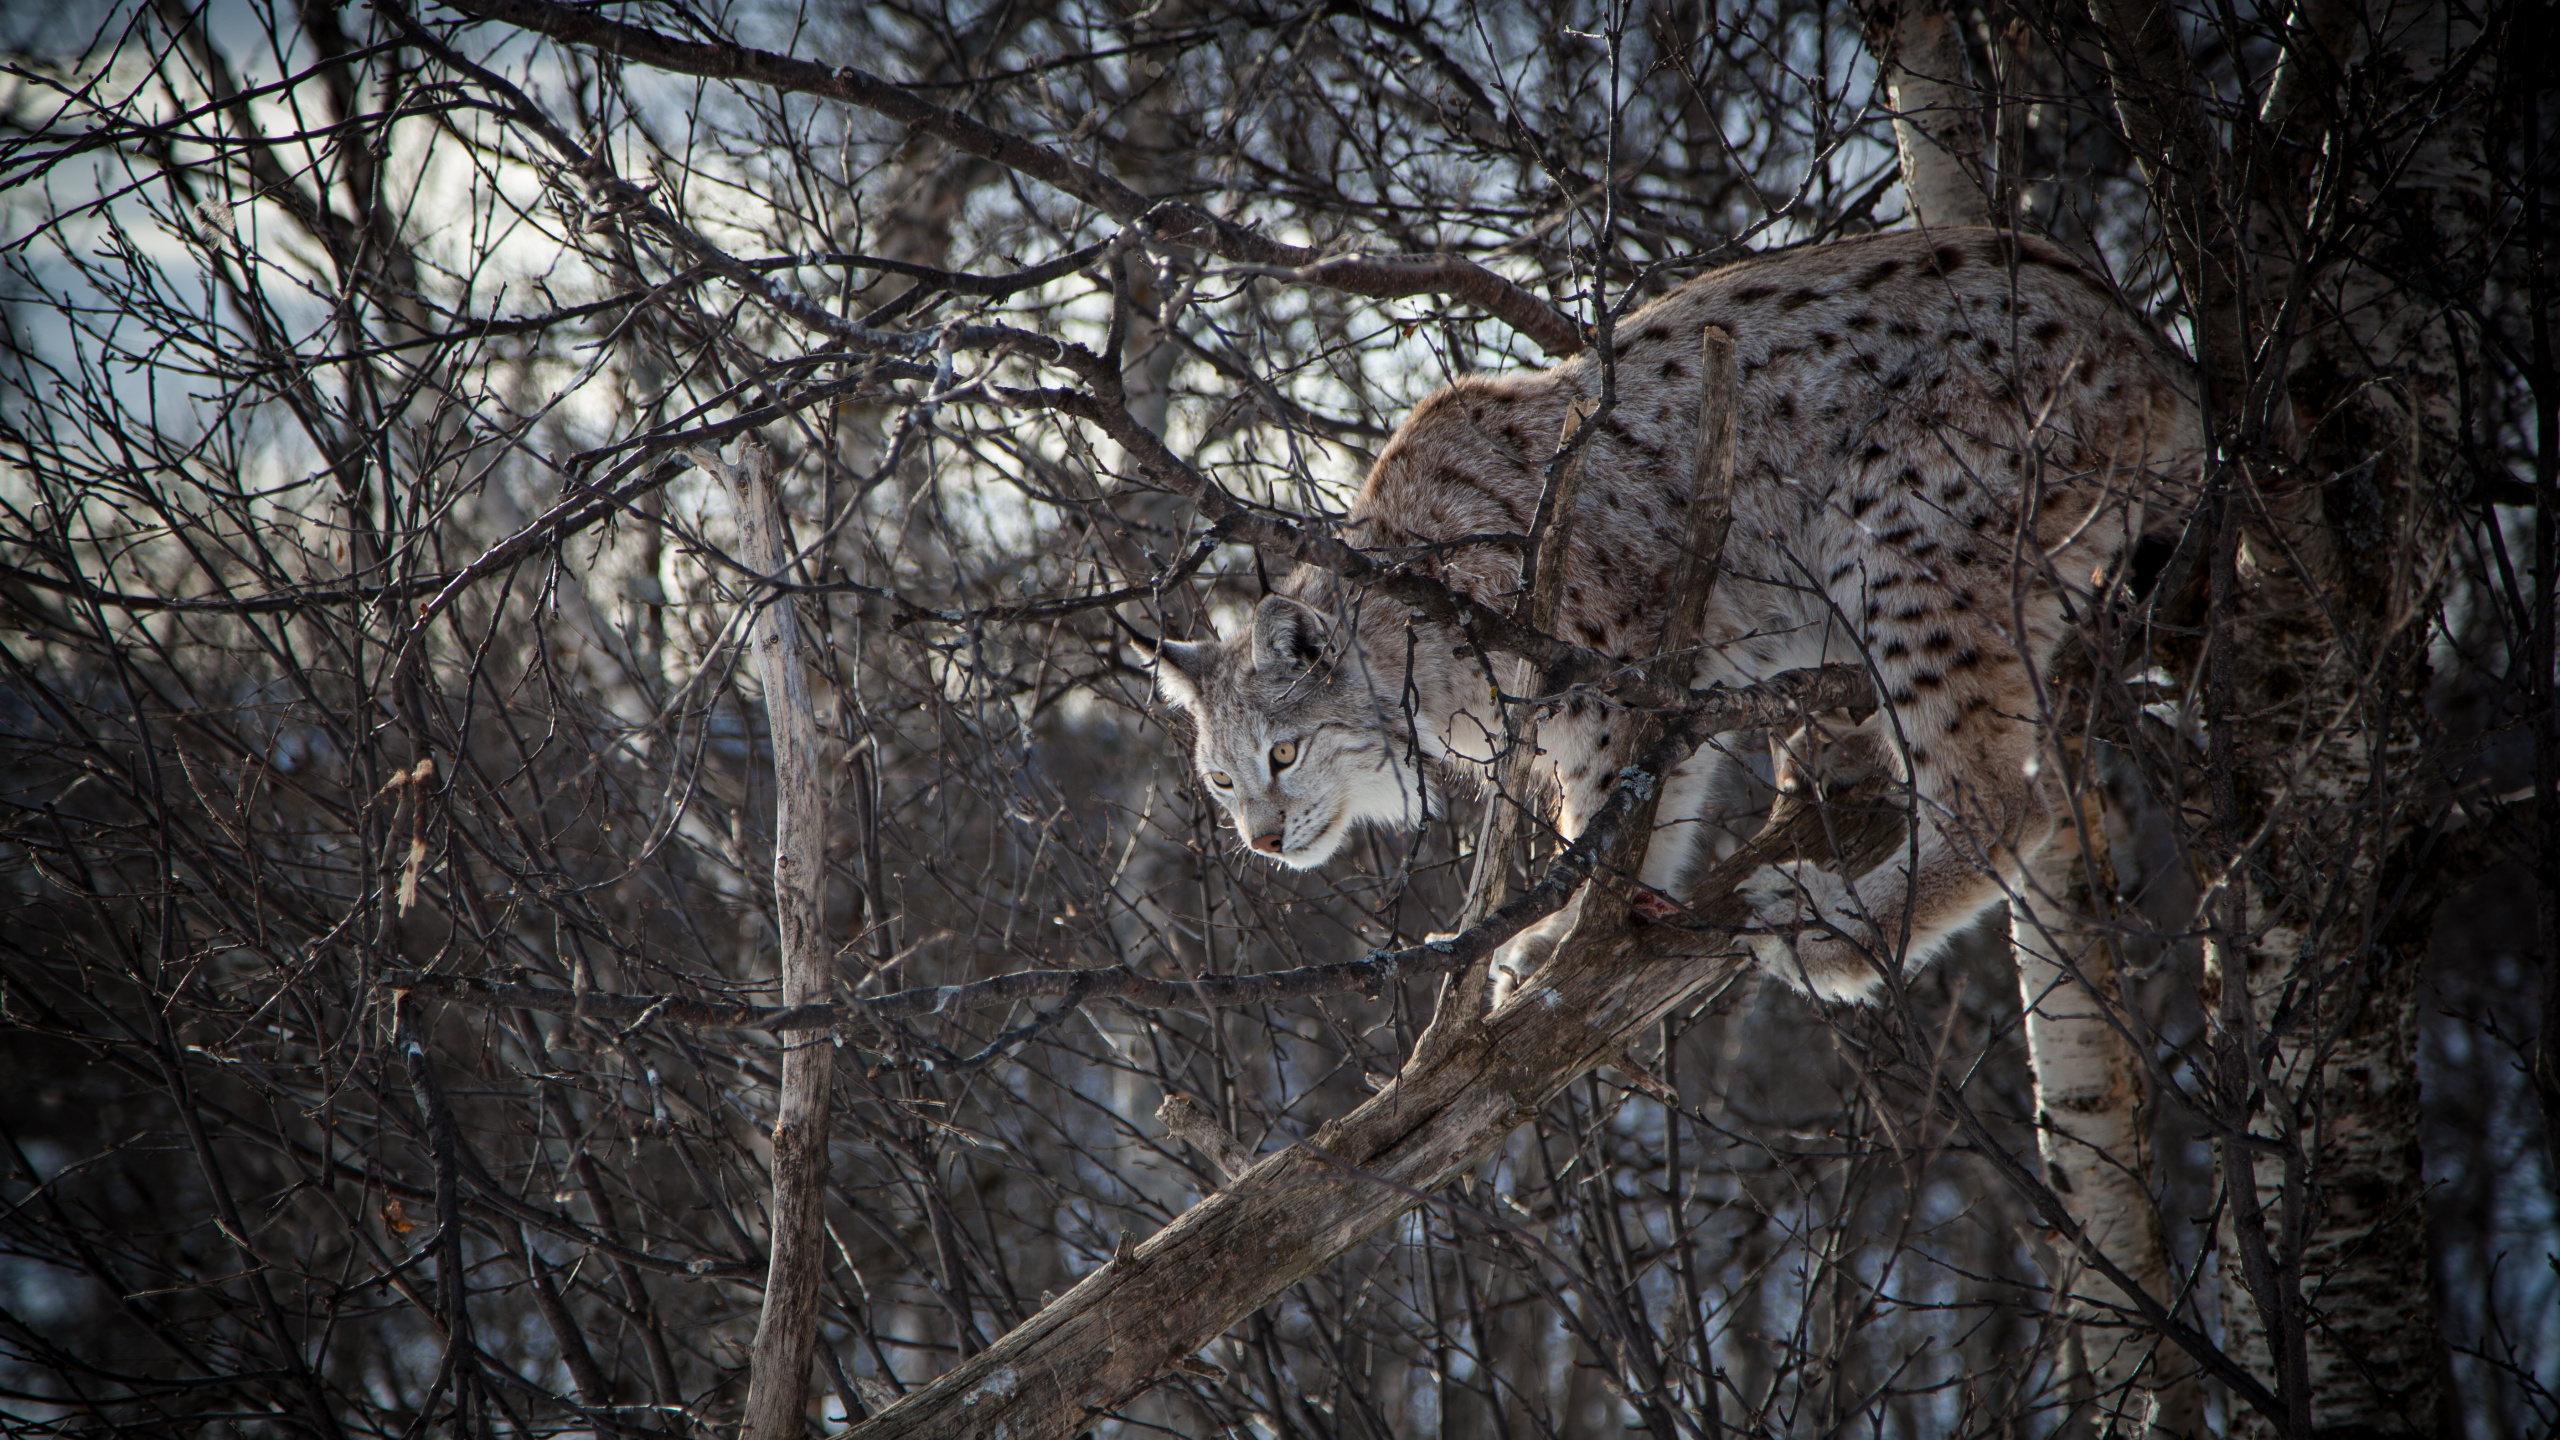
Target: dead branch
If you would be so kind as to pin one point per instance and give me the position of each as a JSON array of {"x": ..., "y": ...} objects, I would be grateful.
[
  {"x": 1187, "y": 1119},
  {"x": 1692, "y": 581},
  {"x": 2164, "y": 117},
  {"x": 778, "y": 1378}
]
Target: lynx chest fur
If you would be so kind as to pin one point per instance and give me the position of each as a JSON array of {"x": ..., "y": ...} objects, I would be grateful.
[{"x": 1947, "y": 444}]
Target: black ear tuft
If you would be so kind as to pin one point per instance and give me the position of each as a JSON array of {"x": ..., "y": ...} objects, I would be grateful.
[
  {"x": 1140, "y": 638},
  {"x": 1287, "y": 635}
]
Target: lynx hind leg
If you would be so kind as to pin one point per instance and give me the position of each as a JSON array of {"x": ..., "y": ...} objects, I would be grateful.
[
  {"x": 1713, "y": 801},
  {"x": 1836, "y": 940}
]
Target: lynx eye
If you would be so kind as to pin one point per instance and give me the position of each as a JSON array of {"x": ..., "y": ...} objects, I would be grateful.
[
  {"x": 1284, "y": 754},
  {"x": 1219, "y": 779}
]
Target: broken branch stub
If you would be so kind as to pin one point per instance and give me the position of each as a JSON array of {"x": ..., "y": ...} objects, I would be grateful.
[{"x": 1187, "y": 1119}]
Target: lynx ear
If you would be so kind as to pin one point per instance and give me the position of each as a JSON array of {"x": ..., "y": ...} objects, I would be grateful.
[
  {"x": 1286, "y": 635},
  {"x": 1182, "y": 668}
]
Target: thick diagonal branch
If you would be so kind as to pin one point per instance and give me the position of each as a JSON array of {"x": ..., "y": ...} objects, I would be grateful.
[{"x": 1298, "y": 1211}]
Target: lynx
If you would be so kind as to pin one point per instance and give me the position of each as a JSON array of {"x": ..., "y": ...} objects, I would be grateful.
[{"x": 1948, "y": 442}]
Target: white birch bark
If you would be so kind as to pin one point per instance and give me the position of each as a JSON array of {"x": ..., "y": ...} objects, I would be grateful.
[
  {"x": 2091, "y": 1127},
  {"x": 2341, "y": 672},
  {"x": 2327, "y": 1295},
  {"x": 2344, "y": 1095},
  {"x": 2331, "y": 1006},
  {"x": 1937, "y": 114}
]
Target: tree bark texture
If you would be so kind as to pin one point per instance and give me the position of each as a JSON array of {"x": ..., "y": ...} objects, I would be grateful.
[
  {"x": 2332, "y": 985},
  {"x": 2091, "y": 1124},
  {"x": 2344, "y": 588},
  {"x": 1937, "y": 115},
  {"x": 2331, "y": 392},
  {"x": 777, "y": 1384}
]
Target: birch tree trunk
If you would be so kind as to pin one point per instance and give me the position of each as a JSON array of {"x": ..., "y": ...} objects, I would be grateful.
[
  {"x": 2092, "y": 1125},
  {"x": 2332, "y": 394},
  {"x": 2344, "y": 593},
  {"x": 1937, "y": 115},
  {"x": 777, "y": 1383}
]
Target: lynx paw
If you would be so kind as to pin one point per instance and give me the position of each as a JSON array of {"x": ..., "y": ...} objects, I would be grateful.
[
  {"x": 1517, "y": 957},
  {"x": 1809, "y": 931}
]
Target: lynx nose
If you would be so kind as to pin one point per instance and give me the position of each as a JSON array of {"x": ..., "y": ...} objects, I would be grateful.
[{"x": 1267, "y": 844}]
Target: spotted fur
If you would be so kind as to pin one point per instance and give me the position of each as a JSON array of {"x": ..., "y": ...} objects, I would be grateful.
[{"x": 1946, "y": 442}]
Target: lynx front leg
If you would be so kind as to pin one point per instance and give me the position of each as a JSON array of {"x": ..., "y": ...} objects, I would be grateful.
[{"x": 1708, "y": 802}]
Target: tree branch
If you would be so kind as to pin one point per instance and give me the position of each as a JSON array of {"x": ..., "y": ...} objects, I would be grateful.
[
  {"x": 1172, "y": 221},
  {"x": 1560, "y": 665},
  {"x": 1187, "y": 1119},
  {"x": 1691, "y": 583},
  {"x": 2156, "y": 94},
  {"x": 778, "y": 1378},
  {"x": 1299, "y": 1210}
]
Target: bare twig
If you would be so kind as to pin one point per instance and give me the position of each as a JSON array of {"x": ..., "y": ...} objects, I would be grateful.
[{"x": 1173, "y": 221}]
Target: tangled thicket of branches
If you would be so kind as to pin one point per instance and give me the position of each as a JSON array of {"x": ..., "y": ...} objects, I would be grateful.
[{"x": 378, "y": 636}]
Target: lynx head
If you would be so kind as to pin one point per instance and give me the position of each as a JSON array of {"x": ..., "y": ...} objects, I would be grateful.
[{"x": 1296, "y": 740}]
